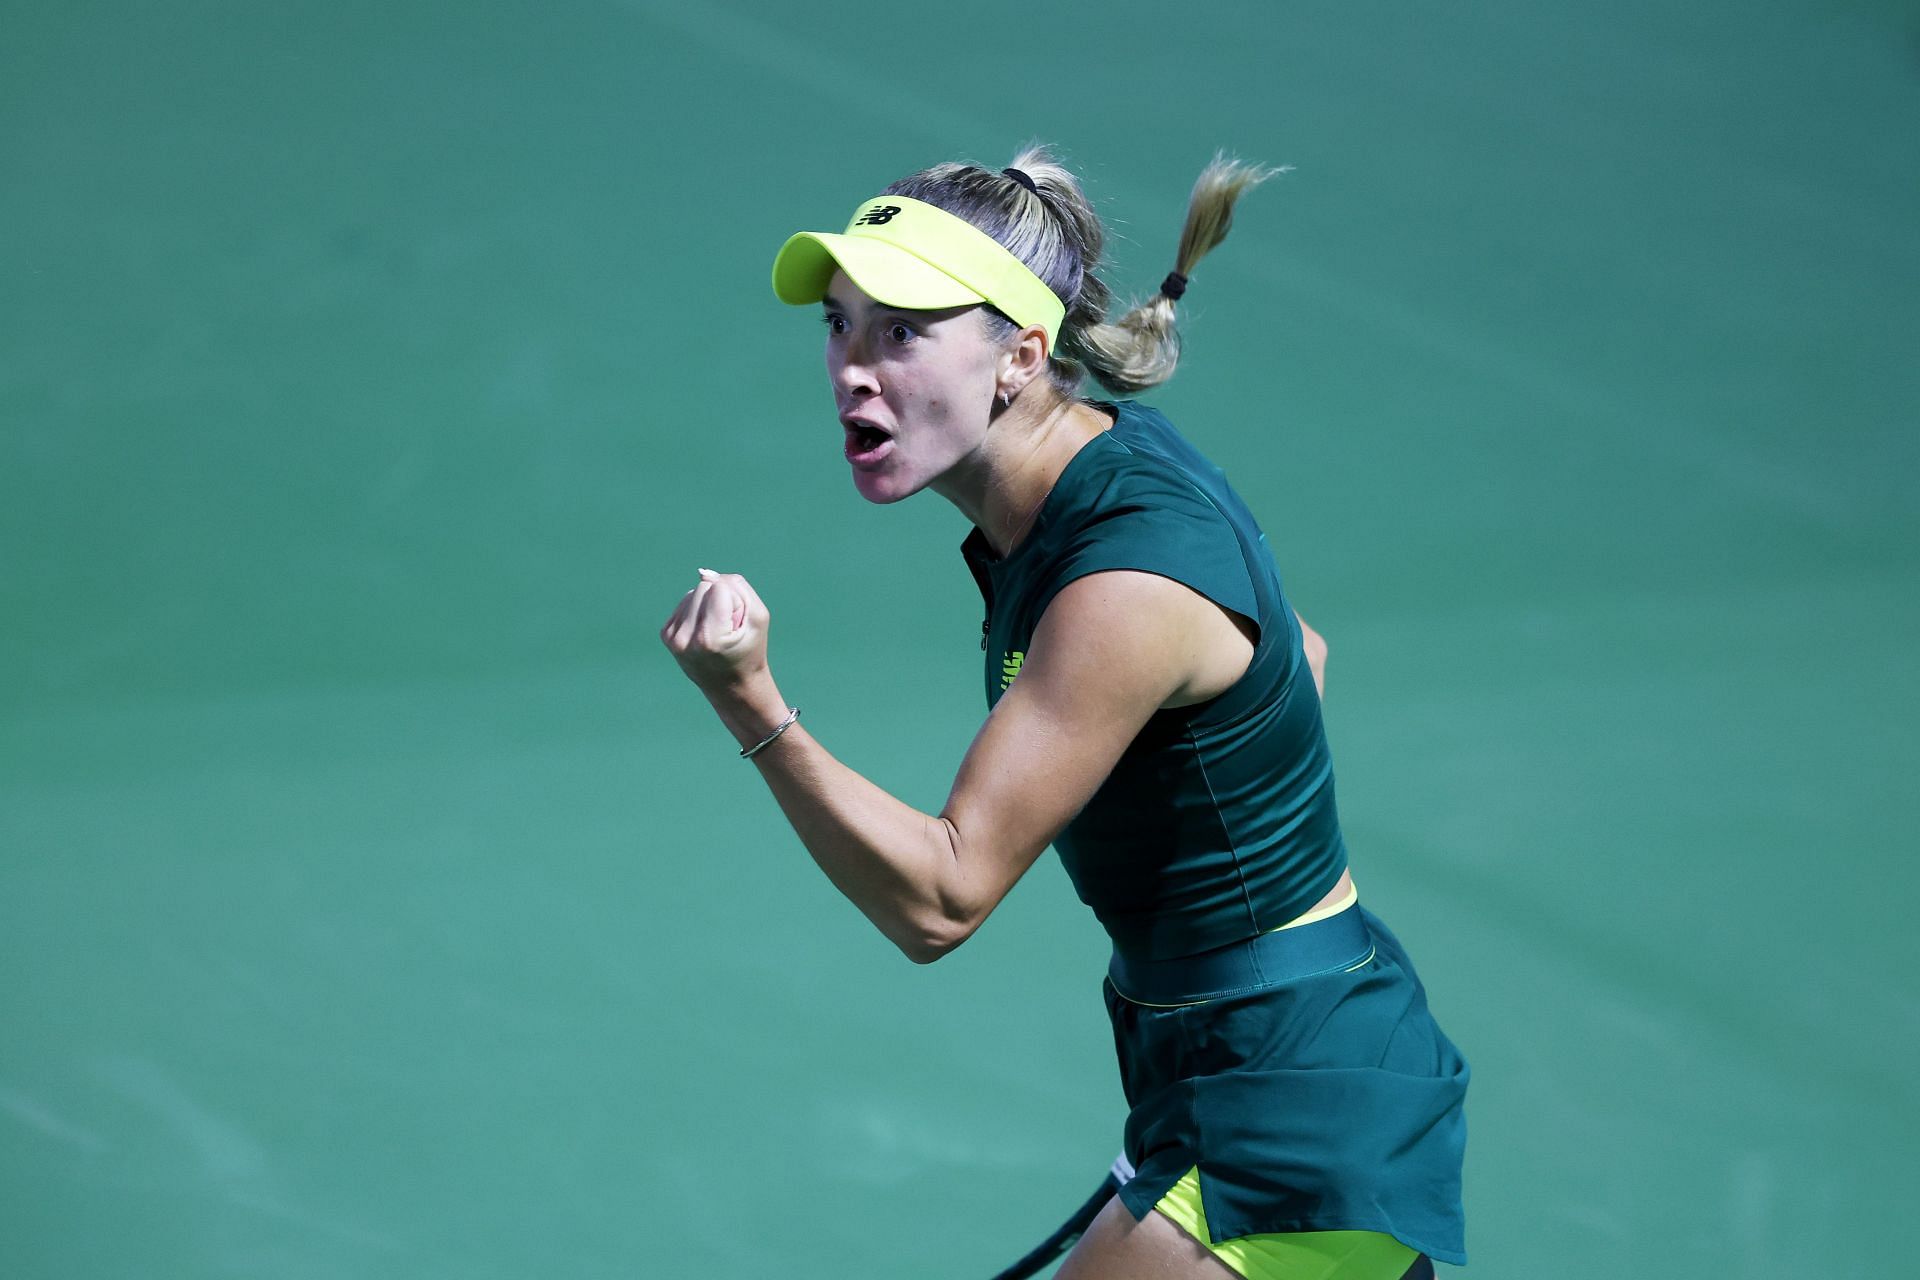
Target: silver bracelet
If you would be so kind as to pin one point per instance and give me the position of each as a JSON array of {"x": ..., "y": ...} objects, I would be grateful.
[{"x": 748, "y": 753}]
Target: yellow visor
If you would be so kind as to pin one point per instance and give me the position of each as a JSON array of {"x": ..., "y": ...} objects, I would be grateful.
[{"x": 909, "y": 254}]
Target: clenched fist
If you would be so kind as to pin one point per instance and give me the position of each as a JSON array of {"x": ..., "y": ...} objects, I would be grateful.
[{"x": 718, "y": 633}]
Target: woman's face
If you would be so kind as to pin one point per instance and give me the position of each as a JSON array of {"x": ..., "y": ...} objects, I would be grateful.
[{"x": 914, "y": 389}]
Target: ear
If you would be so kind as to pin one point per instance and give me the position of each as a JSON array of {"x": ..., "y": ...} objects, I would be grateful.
[{"x": 1022, "y": 360}]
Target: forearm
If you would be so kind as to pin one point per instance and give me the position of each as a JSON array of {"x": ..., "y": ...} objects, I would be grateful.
[{"x": 891, "y": 860}]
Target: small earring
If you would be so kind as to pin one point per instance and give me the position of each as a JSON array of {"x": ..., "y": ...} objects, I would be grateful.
[{"x": 1006, "y": 399}]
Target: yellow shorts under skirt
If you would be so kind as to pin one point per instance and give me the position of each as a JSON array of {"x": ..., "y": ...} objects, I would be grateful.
[{"x": 1299, "y": 1255}]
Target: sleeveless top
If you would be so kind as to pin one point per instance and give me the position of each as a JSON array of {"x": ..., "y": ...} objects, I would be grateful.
[{"x": 1218, "y": 822}]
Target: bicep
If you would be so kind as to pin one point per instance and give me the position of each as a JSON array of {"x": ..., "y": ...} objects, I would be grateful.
[{"x": 1110, "y": 650}]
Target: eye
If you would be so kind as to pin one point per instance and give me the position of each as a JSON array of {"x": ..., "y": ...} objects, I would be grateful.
[
  {"x": 835, "y": 322},
  {"x": 901, "y": 333}
]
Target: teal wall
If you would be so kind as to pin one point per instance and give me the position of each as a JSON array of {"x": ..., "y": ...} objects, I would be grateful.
[{"x": 377, "y": 900}]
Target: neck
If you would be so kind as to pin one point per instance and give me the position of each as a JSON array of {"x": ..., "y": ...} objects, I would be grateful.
[{"x": 1001, "y": 488}]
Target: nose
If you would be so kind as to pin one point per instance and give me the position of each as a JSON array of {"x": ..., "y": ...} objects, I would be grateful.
[{"x": 851, "y": 371}]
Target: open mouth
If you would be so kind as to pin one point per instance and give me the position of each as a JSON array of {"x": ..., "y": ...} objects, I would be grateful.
[{"x": 866, "y": 444}]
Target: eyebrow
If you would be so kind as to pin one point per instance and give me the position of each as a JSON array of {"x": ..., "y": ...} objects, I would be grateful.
[{"x": 832, "y": 303}]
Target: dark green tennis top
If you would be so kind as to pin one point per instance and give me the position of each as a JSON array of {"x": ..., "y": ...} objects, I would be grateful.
[{"x": 1218, "y": 822}]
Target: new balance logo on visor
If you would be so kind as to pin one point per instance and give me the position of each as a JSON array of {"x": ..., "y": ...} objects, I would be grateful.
[{"x": 879, "y": 215}]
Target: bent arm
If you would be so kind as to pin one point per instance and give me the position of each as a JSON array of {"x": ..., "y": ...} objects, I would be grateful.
[
  {"x": 1111, "y": 648},
  {"x": 1315, "y": 646},
  {"x": 890, "y": 859}
]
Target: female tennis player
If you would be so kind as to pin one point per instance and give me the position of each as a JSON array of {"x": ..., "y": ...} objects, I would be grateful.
[{"x": 1295, "y": 1111}]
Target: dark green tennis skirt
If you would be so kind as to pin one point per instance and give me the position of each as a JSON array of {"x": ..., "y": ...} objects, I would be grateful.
[{"x": 1319, "y": 1096}]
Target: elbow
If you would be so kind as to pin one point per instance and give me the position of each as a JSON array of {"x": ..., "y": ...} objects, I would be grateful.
[
  {"x": 948, "y": 916},
  {"x": 924, "y": 952},
  {"x": 931, "y": 940}
]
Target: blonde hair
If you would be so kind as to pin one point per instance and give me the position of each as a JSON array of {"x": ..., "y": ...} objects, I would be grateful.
[{"x": 1054, "y": 230}]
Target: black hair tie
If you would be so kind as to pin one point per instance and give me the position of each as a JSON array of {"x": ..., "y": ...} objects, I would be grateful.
[
  {"x": 1022, "y": 179},
  {"x": 1174, "y": 287}
]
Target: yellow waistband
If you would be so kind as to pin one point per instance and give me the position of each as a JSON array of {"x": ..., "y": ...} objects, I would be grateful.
[{"x": 1322, "y": 913}]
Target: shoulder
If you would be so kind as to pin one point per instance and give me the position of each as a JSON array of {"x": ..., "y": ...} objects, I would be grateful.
[
  {"x": 1133, "y": 510},
  {"x": 1141, "y": 458},
  {"x": 1121, "y": 480}
]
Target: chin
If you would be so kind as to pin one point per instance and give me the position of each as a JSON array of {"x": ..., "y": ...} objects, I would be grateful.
[{"x": 882, "y": 489}]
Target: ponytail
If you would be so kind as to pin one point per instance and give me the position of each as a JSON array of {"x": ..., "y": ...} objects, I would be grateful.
[{"x": 1142, "y": 348}]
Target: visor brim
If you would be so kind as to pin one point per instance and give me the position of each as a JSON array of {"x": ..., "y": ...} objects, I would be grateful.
[{"x": 884, "y": 272}]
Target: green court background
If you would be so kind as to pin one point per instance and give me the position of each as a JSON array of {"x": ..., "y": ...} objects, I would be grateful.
[{"x": 377, "y": 900}]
